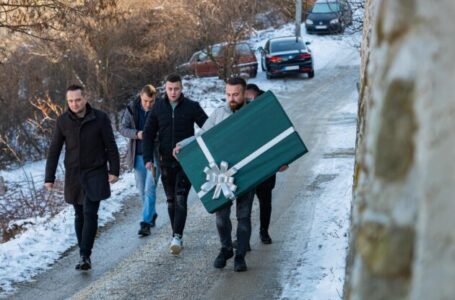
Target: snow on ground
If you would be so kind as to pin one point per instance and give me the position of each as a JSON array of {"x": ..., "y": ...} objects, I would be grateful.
[
  {"x": 43, "y": 243},
  {"x": 35, "y": 250},
  {"x": 46, "y": 239},
  {"x": 322, "y": 274}
]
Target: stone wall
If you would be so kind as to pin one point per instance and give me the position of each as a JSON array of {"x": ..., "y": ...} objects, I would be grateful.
[{"x": 403, "y": 238}]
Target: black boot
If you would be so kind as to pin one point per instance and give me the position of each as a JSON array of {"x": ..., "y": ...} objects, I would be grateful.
[
  {"x": 239, "y": 263},
  {"x": 265, "y": 237},
  {"x": 144, "y": 230},
  {"x": 84, "y": 264},
  {"x": 223, "y": 256},
  {"x": 152, "y": 224}
]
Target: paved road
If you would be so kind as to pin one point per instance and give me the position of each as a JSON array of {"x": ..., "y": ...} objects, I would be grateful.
[{"x": 126, "y": 267}]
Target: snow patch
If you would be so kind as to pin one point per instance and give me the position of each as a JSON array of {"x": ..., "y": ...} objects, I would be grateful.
[
  {"x": 42, "y": 244},
  {"x": 322, "y": 273}
]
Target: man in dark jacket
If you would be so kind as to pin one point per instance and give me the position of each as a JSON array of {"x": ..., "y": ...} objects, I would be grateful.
[
  {"x": 264, "y": 189},
  {"x": 90, "y": 146},
  {"x": 132, "y": 127},
  {"x": 173, "y": 119}
]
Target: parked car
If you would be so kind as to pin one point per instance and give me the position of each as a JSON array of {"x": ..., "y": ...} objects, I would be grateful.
[
  {"x": 329, "y": 16},
  {"x": 201, "y": 65},
  {"x": 286, "y": 55}
]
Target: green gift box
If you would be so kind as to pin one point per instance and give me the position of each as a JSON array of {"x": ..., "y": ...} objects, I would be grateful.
[{"x": 240, "y": 152}]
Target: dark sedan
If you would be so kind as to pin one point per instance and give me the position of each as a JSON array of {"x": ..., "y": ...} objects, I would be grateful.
[
  {"x": 286, "y": 55},
  {"x": 329, "y": 16}
]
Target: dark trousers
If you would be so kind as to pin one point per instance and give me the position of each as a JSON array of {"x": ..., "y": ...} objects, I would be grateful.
[
  {"x": 264, "y": 194},
  {"x": 177, "y": 187},
  {"x": 86, "y": 225},
  {"x": 244, "y": 205}
]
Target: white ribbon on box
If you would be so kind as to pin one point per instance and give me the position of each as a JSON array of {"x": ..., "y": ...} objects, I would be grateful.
[{"x": 222, "y": 178}]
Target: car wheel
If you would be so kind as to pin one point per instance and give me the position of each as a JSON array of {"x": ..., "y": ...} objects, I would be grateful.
[
  {"x": 254, "y": 74},
  {"x": 311, "y": 74}
]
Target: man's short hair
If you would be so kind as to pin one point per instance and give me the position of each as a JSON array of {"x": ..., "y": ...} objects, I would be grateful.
[
  {"x": 237, "y": 81},
  {"x": 253, "y": 87},
  {"x": 149, "y": 90},
  {"x": 75, "y": 87},
  {"x": 173, "y": 78}
]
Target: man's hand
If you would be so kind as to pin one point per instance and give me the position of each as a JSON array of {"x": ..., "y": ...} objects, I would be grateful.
[
  {"x": 140, "y": 135},
  {"x": 149, "y": 166},
  {"x": 112, "y": 179},
  {"x": 49, "y": 186},
  {"x": 283, "y": 168},
  {"x": 176, "y": 151}
]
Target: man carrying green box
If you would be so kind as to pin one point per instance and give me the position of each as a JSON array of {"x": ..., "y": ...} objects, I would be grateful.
[{"x": 235, "y": 94}]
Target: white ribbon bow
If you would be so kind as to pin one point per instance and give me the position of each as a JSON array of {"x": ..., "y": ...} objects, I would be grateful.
[{"x": 220, "y": 178}]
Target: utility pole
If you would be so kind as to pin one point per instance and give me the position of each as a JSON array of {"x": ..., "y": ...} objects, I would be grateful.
[{"x": 298, "y": 17}]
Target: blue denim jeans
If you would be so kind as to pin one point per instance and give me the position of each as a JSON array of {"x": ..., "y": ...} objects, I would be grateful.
[{"x": 146, "y": 185}]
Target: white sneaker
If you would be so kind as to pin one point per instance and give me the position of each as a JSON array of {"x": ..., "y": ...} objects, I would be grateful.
[{"x": 176, "y": 245}]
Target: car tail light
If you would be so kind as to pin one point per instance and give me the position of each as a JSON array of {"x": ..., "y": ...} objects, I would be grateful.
[
  {"x": 274, "y": 59},
  {"x": 305, "y": 55}
]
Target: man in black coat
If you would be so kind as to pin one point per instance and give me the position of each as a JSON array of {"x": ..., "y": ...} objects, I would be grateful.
[
  {"x": 173, "y": 119},
  {"x": 264, "y": 189},
  {"x": 91, "y": 163}
]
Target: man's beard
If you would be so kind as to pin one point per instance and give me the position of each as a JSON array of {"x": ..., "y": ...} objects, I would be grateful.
[{"x": 235, "y": 106}]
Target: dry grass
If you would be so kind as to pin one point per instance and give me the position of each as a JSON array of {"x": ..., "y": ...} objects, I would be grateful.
[{"x": 25, "y": 203}]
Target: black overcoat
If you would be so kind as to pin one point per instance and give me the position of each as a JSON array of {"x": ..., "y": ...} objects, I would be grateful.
[{"x": 91, "y": 154}]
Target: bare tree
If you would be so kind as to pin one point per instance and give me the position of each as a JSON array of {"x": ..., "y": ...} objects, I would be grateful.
[{"x": 37, "y": 17}]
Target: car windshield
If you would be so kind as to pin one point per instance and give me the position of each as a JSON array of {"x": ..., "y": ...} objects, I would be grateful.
[
  {"x": 243, "y": 49},
  {"x": 326, "y": 7},
  {"x": 287, "y": 45}
]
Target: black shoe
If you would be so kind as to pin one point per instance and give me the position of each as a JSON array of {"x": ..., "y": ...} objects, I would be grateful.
[
  {"x": 78, "y": 266},
  {"x": 145, "y": 229},
  {"x": 239, "y": 264},
  {"x": 220, "y": 260},
  {"x": 84, "y": 264},
  {"x": 265, "y": 237},
  {"x": 152, "y": 224},
  {"x": 235, "y": 245}
]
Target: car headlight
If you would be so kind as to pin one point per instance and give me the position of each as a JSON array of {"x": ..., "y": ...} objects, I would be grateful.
[
  {"x": 309, "y": 22},
  {"x": 334, "y": 21}
]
